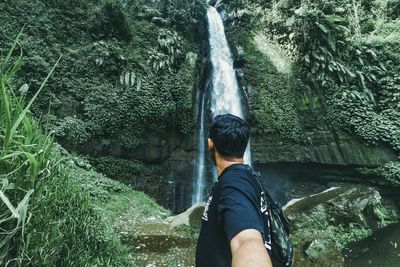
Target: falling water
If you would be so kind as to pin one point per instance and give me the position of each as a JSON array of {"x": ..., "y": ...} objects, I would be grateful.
[
  {"x": 199, "y": 186},
  {"x": 225, "y": 94}
]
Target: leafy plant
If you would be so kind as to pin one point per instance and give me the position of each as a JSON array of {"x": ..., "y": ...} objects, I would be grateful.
[
  {"x": 46, "y": 218},
  {"x": 73, "y": 130},
  {"x": 169, "y": 53},
  {"x": 115, "y": 21},
  {"x": 390, "y": 172},
  {"x": 184, "y": 13},
  {"x": 24, "y": 160},
  {"x": 393, "y": 9}
]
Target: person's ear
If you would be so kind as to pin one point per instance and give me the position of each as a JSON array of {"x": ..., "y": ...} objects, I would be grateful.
[{"x": 210, "y": 144}]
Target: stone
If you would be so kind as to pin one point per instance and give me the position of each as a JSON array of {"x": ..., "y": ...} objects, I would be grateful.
[
  {"x": 380, "y": 249},
  {"x": 322, "y": 224},
  {"x": 191, "y": 217},
  {"x": 240, "y": 50},
  {"x": 316, "y": 249}
]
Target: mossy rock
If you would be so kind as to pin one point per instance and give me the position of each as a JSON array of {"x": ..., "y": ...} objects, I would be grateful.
[{"x": 324, "y": 223}]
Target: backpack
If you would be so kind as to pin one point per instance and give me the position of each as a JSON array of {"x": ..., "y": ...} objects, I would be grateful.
[{"x": 277, "y": 224}]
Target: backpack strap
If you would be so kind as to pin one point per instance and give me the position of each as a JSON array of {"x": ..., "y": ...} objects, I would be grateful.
[
  {"x": 271, "y": 204},
  {"x": 270, "y": 201},
  {"x": 281, "y": 252}
]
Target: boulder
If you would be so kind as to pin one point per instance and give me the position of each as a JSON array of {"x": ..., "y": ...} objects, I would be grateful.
[
  {"x": 191, "y": 217},
  {"x": 315, "y": 249},
  {"x": 381, "y": 249},
  {"x": 322, "y": 224}
]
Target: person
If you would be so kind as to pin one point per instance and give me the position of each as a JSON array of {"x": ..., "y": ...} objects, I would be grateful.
[{"x": 232, "y": 231}]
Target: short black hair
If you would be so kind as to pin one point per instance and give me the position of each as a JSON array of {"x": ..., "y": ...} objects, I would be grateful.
[{"x": 230, "y": 135}]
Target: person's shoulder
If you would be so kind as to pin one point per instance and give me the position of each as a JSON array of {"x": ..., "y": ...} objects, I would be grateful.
[
  {"x": 235, "y": 170},
  {"x": 237, "y": 175}
]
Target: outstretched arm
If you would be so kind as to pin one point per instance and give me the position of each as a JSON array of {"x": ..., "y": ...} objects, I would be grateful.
[{"x": 248, "y": 250}]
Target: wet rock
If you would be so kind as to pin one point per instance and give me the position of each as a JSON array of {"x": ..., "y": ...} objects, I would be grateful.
[
  {"x": 191, "y": 217},
  {"x": 316, "y": 249},
  {"x": 381, "y": 249},
  {"x": 240, "y": 51},
  {"x": 239, "y": 73},
  {"x": 322, "y": 224}
]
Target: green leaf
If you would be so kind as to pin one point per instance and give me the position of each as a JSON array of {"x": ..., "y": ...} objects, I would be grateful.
[
  {"x": 290, "y": 21},
  {"x": 23, "y": 113},
  {"x": 335, "y": 19},
  {"x": 322, "y": 27},
  {"x": 4, "y": 63},
  {"x": 382, "y": 66},
  {"x": 307, "y": 58},
  {"x": 7, "y": 202}
]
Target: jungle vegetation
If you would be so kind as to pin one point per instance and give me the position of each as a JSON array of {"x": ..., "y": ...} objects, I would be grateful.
[{"x": 132, "y": 67}]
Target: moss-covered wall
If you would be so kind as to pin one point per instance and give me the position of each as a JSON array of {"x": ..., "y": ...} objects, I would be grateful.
[
  {"x": 124, "y": 89},
  {"x": 294, "y": 117},
  {"x": 127, "y": 69}
]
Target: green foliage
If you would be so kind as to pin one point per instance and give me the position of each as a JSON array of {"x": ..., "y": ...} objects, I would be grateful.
[
  {"x": 393, "y": 9},
  {"x": 273, "y": 110},
  {"x": 345, "y": 53},
  {"x": 188, "y": 231},
  {"x": 112, "y": 198},
  {"x": 133, "y": 172},
  {"x": 66, "y": 230},
  {"x": 320, "y": 35},
  {"x": 354, "y": 111},
  {"x": 353, "y": 232},
  {"x": 271, "y": 96},
  {"x": 73, "y": 129},
  {"x": 97, "y": 185},
  {"x": 183, "y": 13},
  {"x": 390, "y": 172},
  {"x": 106, "y": 90},
  {"x": 236, "y": 5},
  {"x": 108, "y": 57},
  {"x": 374, "y": 122},
  {"x": 23, "y": 162},
  {"x": 115, "y": 21},
  {"x": 46, "y": 218},
  {"x": 154, "y": 179},
  {"x": 169, "y": 51}
]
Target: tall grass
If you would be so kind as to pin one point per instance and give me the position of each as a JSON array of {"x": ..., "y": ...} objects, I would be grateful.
[
  {"x": 24, "y": 160},
  {"x": 46, "y": 219}
]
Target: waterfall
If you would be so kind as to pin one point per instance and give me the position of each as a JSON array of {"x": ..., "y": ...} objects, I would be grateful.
[
  {"x": 199, "y": 186},
  {"x": 225, "y": 96}
]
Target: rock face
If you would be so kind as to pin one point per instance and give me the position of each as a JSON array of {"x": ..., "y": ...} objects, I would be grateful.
[
  {"x": 290, "y": 122},
  {"x": 322, "y": 224},
  {"x": 322, "y": 149}
]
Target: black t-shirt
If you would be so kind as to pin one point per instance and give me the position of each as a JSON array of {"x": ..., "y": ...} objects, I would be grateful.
[{"x": 233, "y": 206}]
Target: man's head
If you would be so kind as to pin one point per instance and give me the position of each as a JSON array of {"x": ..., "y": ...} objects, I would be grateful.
[{"x": 229, "y": 136}]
